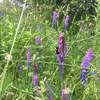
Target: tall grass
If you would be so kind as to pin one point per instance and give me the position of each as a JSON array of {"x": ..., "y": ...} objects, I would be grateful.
[{"x": 18, "y": 30}]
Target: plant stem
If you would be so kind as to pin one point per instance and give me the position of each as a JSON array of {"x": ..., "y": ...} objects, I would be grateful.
[{"x": 6, "y": 66}]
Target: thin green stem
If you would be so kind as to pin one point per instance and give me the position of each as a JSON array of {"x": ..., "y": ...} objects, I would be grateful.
[{"x": 6, "y": 66}]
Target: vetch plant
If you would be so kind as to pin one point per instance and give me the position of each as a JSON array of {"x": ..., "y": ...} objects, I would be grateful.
[
  {"x": 48, "y": 92},
  {"x": 50, "y": 80},
  {"x": 85, "y": 63},
  {"x": 65, "y": 94},
  {"x": 61, "y": 51},
  {"x": 38, "y": 40},
  {"x": 50, "y": 98},
  {"x": 54, "y": 19},
  {"x": 87, "y": 58},
  {"x": 20, "y": 70},
  {"x": 66, "y": 22},
  {"x": 35, "y": 76}
]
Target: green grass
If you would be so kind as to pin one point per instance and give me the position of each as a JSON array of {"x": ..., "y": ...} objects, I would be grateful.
[{"x": 18, "y": 29}]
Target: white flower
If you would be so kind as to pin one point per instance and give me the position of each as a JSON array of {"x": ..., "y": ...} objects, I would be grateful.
[{"x": 8, "y": 57}]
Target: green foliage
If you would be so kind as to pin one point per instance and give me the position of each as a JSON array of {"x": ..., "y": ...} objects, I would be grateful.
[{"x": 36, "y": 21}]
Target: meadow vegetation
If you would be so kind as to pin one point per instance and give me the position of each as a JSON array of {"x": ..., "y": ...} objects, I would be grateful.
[{"x": 42, "y": 58}]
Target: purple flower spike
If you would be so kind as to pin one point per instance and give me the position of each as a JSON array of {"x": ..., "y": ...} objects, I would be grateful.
[
  {"x": 61, "y": 52},
  {"x": 50, "y": 98},
  {"x": 60, "y": 41},
  {"x": 54, "y": 18},
  {"x": 65, "y": 94},
  {"x": 20, "y": 70},
  {"x": 35, "y": 76},
  {"x": 87, "y": 58},
  {"x": 28, "y": 56},
  {"x": 83, "y": 75},
  {"x": 66, "y": 22},
  {"x": 85, "y": 63},
  {"x": 49, "y": 95},
  {"x": 38, "y": 40}
]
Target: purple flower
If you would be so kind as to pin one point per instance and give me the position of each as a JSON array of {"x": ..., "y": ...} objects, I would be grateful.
[
  {"x": 20, "y": 69},
  {"x": 49, "y": 95},
  {"x": 65, "y": 94},
  {"x": 50, "y": 98},
  {"x": 38, "y": 40},
  {"x": 87, "y": 58},
  {"x": 54, "y": 18},
  {"x": 28, "y": 56},
  {"x": 60, "y": 41},
  {"x": 83, "y": 75},
  {"x": 35, "y": 76},
  {"x": 66, "y": 22},
  {"x": 85, "y": 63},
  {"x": 60, "y": 53}
]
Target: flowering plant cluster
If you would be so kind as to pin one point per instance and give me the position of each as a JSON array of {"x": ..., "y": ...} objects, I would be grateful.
[{"x": 85, "y": 63}]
